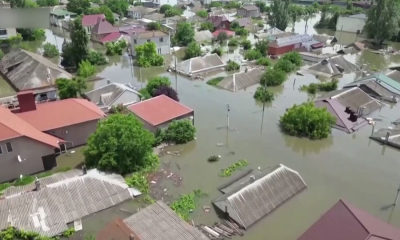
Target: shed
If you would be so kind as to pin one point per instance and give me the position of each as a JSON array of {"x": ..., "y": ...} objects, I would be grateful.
[
  {"x": 244, "y": 22},
  {"x": 199, "y": 65},
  {"x": 251, "y": 198},
  {"x": 393, "y": 139},
  {"x": 241, "y": 80}
]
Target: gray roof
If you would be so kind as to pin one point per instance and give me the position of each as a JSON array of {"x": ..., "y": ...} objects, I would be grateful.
[
  {"x": 155, "y": 17},
  {"x": 241, "y": 80},
  {"x": 112, "y": 95},
  {"x": 48, "y": 210},
  {"x": 203, "y": 36},
  {"x": 395, "y": 75},
  {"x": 332, "y": 66},
  {"x": 360, "y": 16},
  {"x": 31, "y": 70},
  {"x": 200, "y": 64},
  {"x": 323, "y": 38},
  {"x": 158, "y": 221},
  {"x": 249, "y": 7},
  {"x": 141, "y": 9},
  {"x": 394, "y": 138},
  {"x": 247, "y": 202},
  {"x": 243, "y": 22}
]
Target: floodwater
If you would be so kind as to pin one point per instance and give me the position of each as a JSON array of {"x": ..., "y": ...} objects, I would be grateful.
[{"x": 343, "y": 166}]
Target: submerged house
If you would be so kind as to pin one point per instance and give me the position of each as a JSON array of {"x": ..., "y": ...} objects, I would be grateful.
[
  {"x": 104, "y": 32},
  {"x": 289, "y": 43},
  {"x": 242, "y": 80},
  {"x": 89, "y": 21},
  {"x": 389, "y": 136},
  {"x": 331, "y": 67},
  {"x": 349, "y": 107},
  {"x": 198, "y": 65},
  {"x": 259, "y": 193}
]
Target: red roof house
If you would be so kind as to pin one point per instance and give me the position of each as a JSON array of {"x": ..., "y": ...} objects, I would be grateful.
[
  {"x": 102, "y": 29},
  {"x": 220, "y": 22},
  {"x": 159, "y": 111},
  {"x": 88, "y": 21},
  {"x": 346, "y": 222}
]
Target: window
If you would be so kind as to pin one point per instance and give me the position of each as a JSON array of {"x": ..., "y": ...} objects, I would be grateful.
[
  {"x": 1, "y": 150},
  {"x": 148, "y": 40},
  {"x": 3, "y": 32},
  {"x": 134, "y": 41},
  {"x": 65, "y": 132},
  {"x": 159, "y": 51},
  {"x": 9, "y": 147},
  {"x": 161, "y": 39}
]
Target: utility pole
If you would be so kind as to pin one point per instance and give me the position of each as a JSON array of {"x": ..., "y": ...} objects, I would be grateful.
[
  {"x": 397, "y": 196},
  {"x": 228, "y": 108},
  {"x": 176, "y": 73}
]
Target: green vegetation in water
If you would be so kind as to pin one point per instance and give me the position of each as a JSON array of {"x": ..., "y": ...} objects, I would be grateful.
[
  {"x": 264, "y": 61},
  {"x": 179, "y": 132},
  {"x": 263, "y": 95},
  {"x": 186, "y": 204},
  {"x": 232, "y": 66},
  {"x": 68, "y": 233},
  {"x": 324, "y": 87},
  {"x": 148, "y": 199},
  {"x": 218, "y": 51},
  {"x": 246, "y": 44},
  {"x": 213, "y": 159},
  {"x": 115, "y": 48},
  {"x": 50, "y": 50},
  {"x": 233, "y": 42},
  {"x": 215, "y": 81},
  {"x": 12, "y": 233},
  {"x": 139, "y": 178},
  {"x": 232, "y": 168}
]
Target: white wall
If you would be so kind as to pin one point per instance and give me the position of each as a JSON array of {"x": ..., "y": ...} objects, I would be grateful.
[
  {"x": 347, "y": 24},
  {"x": 163, "y": 47},
  {"x": 9, "y": 32}
]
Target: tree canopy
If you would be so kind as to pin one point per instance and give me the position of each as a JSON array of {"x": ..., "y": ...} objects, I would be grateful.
[
  {"x": 165, "y": 8},
  {"x": 207, "y": 26},
  {"x": 173, "y": 12},
  {"x": 50, "y": 50},
  {"x": 273, "y": 77},
  {"x": 262, "y": 47},
  {"x": 179, "y": 132},
  {"x": 263, "y": 95},
  {"x": 153, "y": 25},
  {"x": 70, "y": 88},
  {"x": 78, "y": 6},
  {"x": 193, "y": 50},
  {"x": 294, "y": 57},
  {"x": 147, "y": 56},
  {"x": 167, "y": 91},
  {"x": 79, "y": 42},
  {"x": 306, "y": 120},
  {"x": 202, "y": 13},
  {"x": 156, "y": 82},
  {"x": 46, "y": 3},
  {"x": 184, "y": 33},
  {"x": 284, "y": 65},
  {"x": 118, "y": 6},
  {"x": 279, "y": 16},
  {"x": 119, "y": 144}
]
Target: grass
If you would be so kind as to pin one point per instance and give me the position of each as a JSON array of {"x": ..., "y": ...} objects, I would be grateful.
[
  {"x": 186, "y": 204},
  {"x": 214, "y": 81},
  {"x": 232, "y": 168}
]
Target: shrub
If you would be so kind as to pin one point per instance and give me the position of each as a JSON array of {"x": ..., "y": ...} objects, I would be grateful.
[
  {"x": 86, "y": 69},
  {"x": 263, "y": 95},
  {"x": 193, "y": 50},
  {"x": 115, "y": 48},
  {"x": 264, "y": 61},
  {"x": 294, "y": 58},
  {"x": 202, "y": 13},
  {"x": 233, "y": 42},
  {"x": 252, "y": 55},
  {"x": 218, "y": 51},
  {"x": 312, "y": 88},
  {"x": 234, "y": 26},
  {"x": 39, "y": 34},
  {"x": 50, "y": 50},
  {"x": 96, "y": 58},
  {"x": 147, "y": 56},
  {"x": 246, "y": 44},
  {"x": 207, "y": 26},
  {"x": 232, "y": 66},
  {"x": 179, "y": 132},
  {"x": 213, "y": 159},
  {"x": 156, "y": 82},
  {"x": 173, "y": 12},
  {"x": 165, "y": 8},
  {"x": 145, "y": 94},
  {"x": 215, "y": 81},
  {"x": 284, "y": 65},
  {"x": 325, "y": 87},
  {"x": 260, "y": 24},
  {"x": 306, "y": 120},
  {"x": 222, "y": 36},
  {"x": 153, "y": 25},
  {"x": 273, "y": 77},
  {"x": 232, "y": 168},
  {"x": 167, "y": 91},
  {"x": 68, "y": 233},
  {"x": 1, "y": 54},
  {"x": 262, "y": 47},
  {"x": 241, "y": 32}
]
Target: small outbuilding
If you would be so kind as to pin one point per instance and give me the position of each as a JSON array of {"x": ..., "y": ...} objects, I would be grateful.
[
  {"x": 203, "y": 36},
  {"x": 248, "y": 11},
  {"x": 159, "y": 111},
  {"x": 258, "y": 193},
  {"x": 353, "y": 23}
]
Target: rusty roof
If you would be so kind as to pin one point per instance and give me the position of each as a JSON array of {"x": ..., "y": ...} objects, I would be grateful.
[
  {"x": 116, "y": 230},
  {"x": 102, "y": 26},
  {"x": 11, "y": 126},
  {"x": 346, "y": 222},
  {"x": 159, "y": 110},
  {"x": 53, "y": 115},
  {"x": 150, "y": 34},
  {"x": 91, "y": 20}
]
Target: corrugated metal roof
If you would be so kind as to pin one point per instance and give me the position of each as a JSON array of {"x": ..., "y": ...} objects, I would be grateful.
[
  {"x": 200, "y": 64},
  {"x": 241, "y": 80},
  {"x": 291, "y": 40},
  {"x": 158, "y": 221},
  {"x": 249, "y": 201}
]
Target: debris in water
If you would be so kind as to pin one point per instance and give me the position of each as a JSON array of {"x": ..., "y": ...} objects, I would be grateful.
[
  {"x": 220, "y": 144},
  {"x": 153, "y": 182},
  {"x": 190, "y": 210},
  {"x": 177, "y": 165},
  {"x": 213, "y": 159},
  {"x": 206, "y": 208},
  {"x": 219, "y": 156},
  {"x": 72, "y": 151},
  {"x": 170, "y": 175},
  {"x": 165, "y": 189}
]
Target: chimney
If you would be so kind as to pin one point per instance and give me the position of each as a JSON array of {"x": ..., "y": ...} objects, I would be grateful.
[
  {"x": 252, "y": 179},
  {"x": 37, "y": 184},
  {"x": 131, "y": 237},
  {"x": 108, "y": 81},
  {"x": 26, "y": 101},
  {"x": 84, "y": 170}
]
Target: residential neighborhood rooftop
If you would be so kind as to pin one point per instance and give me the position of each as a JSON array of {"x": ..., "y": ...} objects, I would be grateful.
[
  {"x": 150, "y": 34},
  {"x": 62, "y": 12},
  {"x": 91, "y": 20},
  {"x": 141, "y": 9},
  {"x": 249, "y": 7},
  {"x": 244, "y": 79},
  {"x": 244, "y": 22},
  {"x": 200, "y": 64},
  {"x": 103, "y": 26}
]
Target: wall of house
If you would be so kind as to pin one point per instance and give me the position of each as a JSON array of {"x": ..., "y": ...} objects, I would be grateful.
[
  {"x": 224, "y": 25},
  {"x": 75, "y": 135},
  {"x": 26, "y": 148},
  {"x": 7, "y": 32},
  {"x": 280, "y": 50},
  {"x": 347, "y": 24},
  {"x": 153, "y": 129},
  {"x": 135, "y": 15},
  {"x": 163, "y": 47},
  {"x": 253, "y": 14},
  {"x": 242, "y": 12},
  {"x": 97, "y": 37}
]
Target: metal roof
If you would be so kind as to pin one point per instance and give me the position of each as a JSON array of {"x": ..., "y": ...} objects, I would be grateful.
[
  {"x": 241, "y": 80},
  {"x": 394, "y": 139},
  {"x": 200, "y": 64},
  {"x": 290, "y": 40},
  {"x": 248, "y": 201},
  {"x": 380, "y": 84}
]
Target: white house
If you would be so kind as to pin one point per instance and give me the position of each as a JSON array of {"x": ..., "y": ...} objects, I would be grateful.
[
  {"x": 138, "y": 12},
  {"x": 6, "y": 32},
  {"x": 160, "y": 38},
  {"x": 353, "y": 23},
  {"x": 59, "y": 15}
]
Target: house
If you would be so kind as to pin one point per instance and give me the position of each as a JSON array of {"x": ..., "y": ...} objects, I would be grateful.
[
  {"x": 272, "y": 33},
  {"x": 117, "y": 229},
  {"x": 61, "y": 199},
  {"x": 359, "y": 46},
  {"x": 160, "y": 111},
  {"x": 242, "y": 80},
  {"x": 71, "y": 120},
  {"x": 378, "y": 86},
  {"x": 220, "y": 22},
  {"x": 325, "y": 39},
  {"x": 248, "y": 11},
  {"x": 25, "y": 70},
  {"x": 198, "y": 65},
  {"x": 113, "y": 94},
  {"x": 102, "y": 29},
  {"x": 394, "y": 75},
  {"x": 244, "y": 22},
  {"x": 315, "y": 57},
  {"x": 388, "y": 136},
  {"x": 344, "y": 221},
  {"x": 258, "y": 193},
  {"x": 228, "y": 32},
  {"x": 331, "y": 67},
  {"x": 349, "y": 106},
  {"x": 117, "y": 17},
  {"x": 158, "y": 221},
  {"x": 160, "y": 38},
  {"x": 6, "y": 32},
  {"x": 59, "y": 15},
  {"x": 89, "y": 21},
  {"x": 203, "y": 36},
  {"x": 286, "y": 44},
  {"x": 155, "y": 17},
  {"x": 353, "y": 23},
  {"x": 138, "y": 12}
]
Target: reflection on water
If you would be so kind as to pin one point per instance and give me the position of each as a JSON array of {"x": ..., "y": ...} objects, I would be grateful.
[{"x": 306, "y": 146}]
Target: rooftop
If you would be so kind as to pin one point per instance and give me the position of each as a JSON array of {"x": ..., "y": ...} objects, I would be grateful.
[
  {"x": 91, "y": 20},
  {"x": 229, "y": 33},
  {"x": 57, "y": 114},
  {"x": 332, "y": 66},
  {"x": 158, "y": 221},
  {"x": 200, "y": 64},
  {"x": 159, "y": 110},
  {"x": 102, "y": 27},
  {"x": 116, "y": 230},
  {"x": 62, "y": 12},
  {"x": 150, "y": 34},
  {"x": 142, "y": 9},
  {"x": 290, "y": 40},
  {"x": 155, "y": 17},
  {"x": 241, "y": 80},
  {"x": 112, "y": 37},
  {"x": 244, "y": 22},
  {"x": 249, "y": 7},
  {"x": 344, "y": 221},
  {"x": 394, "y": 138},
  {"x": 247, "y": 200},
  {"x": 203, "y": 36}
]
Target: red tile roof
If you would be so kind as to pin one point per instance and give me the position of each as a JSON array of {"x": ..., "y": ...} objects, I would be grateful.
[
  {"x": 116, "y": 229},
  {"x": 11, "y": 126},
  {"x": 345, "y": 222},
  {"x": 112, "y": 37},
  {"x": 53, "y": 115},
  {"x": 102, "y": 27},
  {"x": 229, "y": 33},
  {"x": 91, "y": 20},
  {"x": 159, "y": 110}
]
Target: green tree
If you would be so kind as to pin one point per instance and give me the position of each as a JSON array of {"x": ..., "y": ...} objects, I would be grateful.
[
  {"x": 382, "y": 22},
  {"x": 78, "y": 6},
  {"x": 273, "y": 77},
  {"x": 30, "y": 4},
  {"x": 79, "y": 42},
  {"x": 246, "y": 44},
  {"x": 118, "y": 6},
  {"x": 46, "y": 3},
  {"x": 165, "y": 8},
  {"x": 153, "y": 26},
  {"x": 252, "y": 55},
  {"x": 70, "y": 88},
  {"x": 262, "y": 47},
  {"x": 119, "y": 144},
  {"x": 1, "y": 54},
  {"x": 261, "y": 6},
  {"x": 96, "y": 58},
  {"x": 193, "y": 50},
  {"x": 306, "y": 120},
  {"x": 146, "y": 55},
  {"x": 156, "y": 82},
  {"x": 167, "y": 91},
  {"x": 202, "y": 14},
  {"x": 264, "y": 61},
  {"x": 279, "y": 17},
  {"x": 50, "y": 50},
  {"x": 234, "y": 25},
  {"x": 115, "y": 48},
  {"x": 232, "y": 5},
  {"x": 17, "y": 3},
  {"x": 233, "y": 42},
  {"x": 216, "y": 4},
  {"x": 232, "y": 66},
  {"x": 86, "y": 69},
  {"x": 107, "y": 13},
  {"x": 284, "y": 65},
  {"x": 173, "y": 12},
  {"x": 179, "y": 132},
  {"x": 31, "y": 34},
  {"x": 218, "y": 51},
  {"x": 67, "y": 57},
  {"x": 221, "y": 37},
  {"x": 263, "y": 95},
  {"x": 241, "y": 32},
  {"x": 207, "y": 26},
  {"x": 293, "y": 57},
  {"x": 184, "y": 33}
]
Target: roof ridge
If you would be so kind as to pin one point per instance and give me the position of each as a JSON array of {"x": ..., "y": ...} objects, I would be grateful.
[
  {"x": 358, "y": 220},
  {"x": 79, "y": 100}
]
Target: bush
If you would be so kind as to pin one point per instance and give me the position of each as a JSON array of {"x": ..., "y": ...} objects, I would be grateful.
[
  {"x": 173, "y": 12},
  {"x": 1, "y": 54},
  {"x": 246, "y": 44},
  {"x": 30, "y": 34},
  {"x": 202, "y": 13},
  {"x": 260, "y": 24},
  {"x": 145, "y": 94},
  {"x": 273, "y": 77},
  {"x": 50, "y": 50},
  {"x": 222, "y": 36},
  {"x": 213, "y": 159},
  {"x": 115, "y": 48},
  {"x": 147, "y": 56},
  {"x": 179, "y": 132},
  {"x": 207, "y": 26},
  {"x": 263, "y": 95},
  {"x": 233, "y": 42},
  {"x": 262, "y": 47},
  {"x": 156, "y": 82},
  {"x": 264, "y": 61},
  {"x": 252, "y": 55},
  {"x": 70, "y": 88},
  {"x": 193, "y": 50},
  {"x": 165, "y": 8},
  {"x": 218, "y": 51},
  {"x": 153, "y": 25},
  {"x": 167, "y": 91},
  {"x": 312, "y": 88},
  {"x": 216, "y": 4},
  {"x": 284, "y": 65},
  {"x": 234, "y": 26},
  {"x": 96, "y": 58},
  {"x": 306, "y": 120},
  {"x": 241, "y": 32},
  {"x": 215, "y": 81},
  {"x": 294, "y": 58},
  {"x": 325, "y": 87},
  {"x": 232, "y": 66},
  {"x": 86, "y": 69}
]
